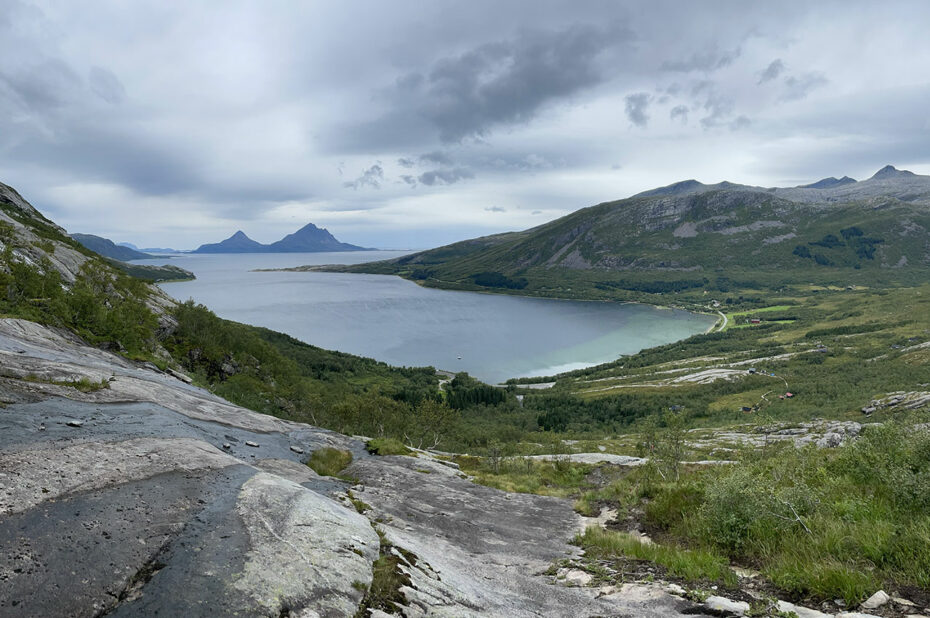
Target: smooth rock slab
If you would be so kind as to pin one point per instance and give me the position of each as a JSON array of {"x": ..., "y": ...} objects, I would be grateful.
[{"x": 307, "y": 551}]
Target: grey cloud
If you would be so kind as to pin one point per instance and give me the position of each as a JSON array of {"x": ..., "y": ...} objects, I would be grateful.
[
  {"x": 406, "y": 162},
  {"x": 740, "y": 122},
  {"x": 372, "y": 177},
  {"x": 709, "y": 60},
  {"x": 495, "y": 209},
  {"x": 506, "y": 82},
  {"x": 106, "y": 85},
  {"x": 536, "y": 212},
  {"x": 798, "y": 87},
  {"x": 437, "y": 157},
  {"x": 445, "y": 176},
  {"x": 45, "y": 86},
  {"x": 719, "y": 107},
  {"x": 775, "y": 68},
  {"x": 635, "y": 106},
  {"x": 679, "y": 112}
]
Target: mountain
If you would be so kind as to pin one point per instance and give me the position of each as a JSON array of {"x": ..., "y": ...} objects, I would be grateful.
[
  {"x": 829, "y": 183},
  {"x": 688, "y": 235},
  {"x": 148, "y": 249},
  {"x": 308, "y": 239},
  {"x": 107, "y": 248},
  {"x": 237, "y": 243}
]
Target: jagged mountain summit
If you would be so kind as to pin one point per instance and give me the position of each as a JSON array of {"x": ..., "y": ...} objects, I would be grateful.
[{"x": 308, "y": 239}]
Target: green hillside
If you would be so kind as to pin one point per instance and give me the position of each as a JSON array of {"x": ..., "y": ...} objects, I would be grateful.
[{"x": 710, "y": 239}]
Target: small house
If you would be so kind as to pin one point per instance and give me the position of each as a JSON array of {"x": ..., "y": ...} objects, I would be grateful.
[
  {"x": 746, "y": 409},
  {"x": 789, "y": 395},
  {"x": 752, "y": 370},
  {"x": 755, "y": 321}
]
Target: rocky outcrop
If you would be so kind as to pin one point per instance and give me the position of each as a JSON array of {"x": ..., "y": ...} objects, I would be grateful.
[{"x": 150, "y": 496}]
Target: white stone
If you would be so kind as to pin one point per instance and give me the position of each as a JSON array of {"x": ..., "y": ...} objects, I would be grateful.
[
  {"x": 726, "y": 605},
  {"x": 855, "y": 615},
  {"x": 676, "y": 589},
  {"x": 577, "y": 577},
  {"x": 802, "y": 612},
  {"x": 876, "y": 600}
]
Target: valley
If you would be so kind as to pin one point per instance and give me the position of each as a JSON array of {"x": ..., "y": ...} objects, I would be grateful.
[{"x": 775, "y": 464}]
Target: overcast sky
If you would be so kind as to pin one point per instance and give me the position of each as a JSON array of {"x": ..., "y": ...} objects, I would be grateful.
[{"x": 412, "y": 124}]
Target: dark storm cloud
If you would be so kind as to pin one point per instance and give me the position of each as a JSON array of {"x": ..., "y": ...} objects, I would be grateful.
[
  {"x": 635, "y": 106},
  {"x": 775, "y": 68},
  {"x": 501, "y": 83}
]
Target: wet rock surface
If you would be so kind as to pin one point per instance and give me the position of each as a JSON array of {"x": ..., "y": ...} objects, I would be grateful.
[{"x": 143, "y": 498}]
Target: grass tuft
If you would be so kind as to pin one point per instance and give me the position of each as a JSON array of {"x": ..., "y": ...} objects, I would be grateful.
[{"x": 329, "y": 461}]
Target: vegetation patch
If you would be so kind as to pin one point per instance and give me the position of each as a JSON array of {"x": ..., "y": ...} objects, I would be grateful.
[
  {"x": 693, "y": 566},
  {"x": 84, "y": 385},
  {"x": 329, "y": 461},
  {"x": 387, "y": 579},
  {"x": 387, "y": 446}
]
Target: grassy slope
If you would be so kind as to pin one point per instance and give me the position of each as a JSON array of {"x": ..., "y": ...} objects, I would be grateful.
[{"x": 627, "y": 257}]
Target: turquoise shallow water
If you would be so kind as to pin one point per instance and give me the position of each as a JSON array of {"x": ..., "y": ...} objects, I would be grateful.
[{"x": 493, "y": 337}]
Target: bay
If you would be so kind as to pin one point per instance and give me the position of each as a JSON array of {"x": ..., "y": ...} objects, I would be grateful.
[{"x": 493, "y": 337}]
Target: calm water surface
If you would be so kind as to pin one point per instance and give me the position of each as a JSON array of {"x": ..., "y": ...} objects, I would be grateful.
[{"x": 493, "y": 337}]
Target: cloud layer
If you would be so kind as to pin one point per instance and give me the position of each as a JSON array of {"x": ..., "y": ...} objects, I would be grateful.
[{"x": 414, "y": 124}]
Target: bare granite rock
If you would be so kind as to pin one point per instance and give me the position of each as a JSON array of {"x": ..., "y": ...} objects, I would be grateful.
[{"x": 155, "y": 505}]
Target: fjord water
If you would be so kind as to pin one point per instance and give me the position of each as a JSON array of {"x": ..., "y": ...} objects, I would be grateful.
[{"x": 493, "y": 337}]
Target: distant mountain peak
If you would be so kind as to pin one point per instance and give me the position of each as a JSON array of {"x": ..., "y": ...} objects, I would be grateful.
[
  {"x": 890, "y": 171},
  {"x": 829, "y": 183},
  {"x": 675, "y": 188},
  {"x": 309, "y": 238}
]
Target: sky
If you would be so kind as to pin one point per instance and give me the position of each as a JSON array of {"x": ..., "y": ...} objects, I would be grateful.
[{"x": 414, "y": 124}]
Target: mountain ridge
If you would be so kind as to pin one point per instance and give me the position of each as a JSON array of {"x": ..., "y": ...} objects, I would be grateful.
[
  {"x": 688, "y": 232},
  {"x": 308, "y": 239},
  {"x": 107, "y": 248}
]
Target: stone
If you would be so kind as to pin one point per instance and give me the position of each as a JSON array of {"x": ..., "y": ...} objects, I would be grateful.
[
  {"x": 577, "y": 577},
  {"x": 802, "y": 612},
  {"x": 903, "y": 602},
  {"x": 297, "y": 450},
  {"x": 226, "y": 446},
  {"x": 876, "y": 600},
  {"x": 252, "y": 444},
  {"x": 722, "y": 604},
  {"x": 855, "y": 615},
  {"x": 75, "y": 423},
  {"x": 676, "y": 590},
  {"x": 830, "y": 440}
]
